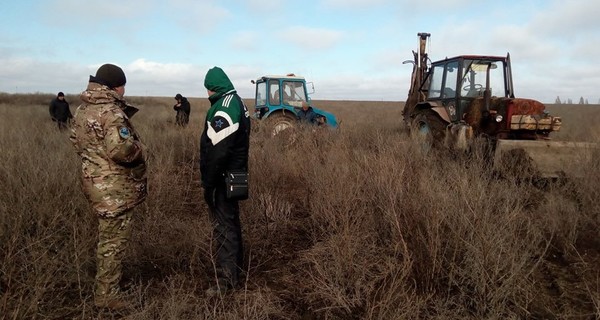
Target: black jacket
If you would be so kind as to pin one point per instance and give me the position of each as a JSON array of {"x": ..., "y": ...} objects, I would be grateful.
[
  {"x": 183, "y": 107},
  {"x": 307, "y": 115},
  {"x": 59, "y": 110},
  {"x": 225, "y": 140}
]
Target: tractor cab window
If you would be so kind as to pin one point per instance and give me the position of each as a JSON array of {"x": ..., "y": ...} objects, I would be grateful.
[
  {"x": 274, "y": 92},
  {"x": 474, "y": 78},
  {"x": 261, "y": 94},
  {"x": 451, "y": 80},
  {"x": 435, "y": 86},
  {"x": 293, "y": 93},
  {"x": 497, "y": 80}
]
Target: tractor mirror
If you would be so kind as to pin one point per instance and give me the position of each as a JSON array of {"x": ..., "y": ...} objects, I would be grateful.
[{"x": 310, "y": 87}]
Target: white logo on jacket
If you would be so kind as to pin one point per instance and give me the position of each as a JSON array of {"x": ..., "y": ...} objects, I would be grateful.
[{"x": 228, "y": 127}]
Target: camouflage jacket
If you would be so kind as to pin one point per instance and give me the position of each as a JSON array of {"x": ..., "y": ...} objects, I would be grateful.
[{"x": 113, "y": 157}]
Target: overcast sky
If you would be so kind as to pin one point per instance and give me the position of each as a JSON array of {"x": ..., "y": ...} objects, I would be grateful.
[{"x": 349, "y": 49}]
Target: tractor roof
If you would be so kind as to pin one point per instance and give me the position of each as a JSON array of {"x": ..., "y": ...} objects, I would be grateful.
[
  {"x": 476, "y": 57},
  {"x": 290, "y": 76}
]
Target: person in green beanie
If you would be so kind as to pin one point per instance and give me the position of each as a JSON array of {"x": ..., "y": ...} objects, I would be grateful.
[{"x": 224, "y": 146}]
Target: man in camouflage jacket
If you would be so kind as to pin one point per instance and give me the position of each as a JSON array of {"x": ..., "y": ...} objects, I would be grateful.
[
  {"x": 224, "y": 146},
  {"x": 113, "y": 173}
]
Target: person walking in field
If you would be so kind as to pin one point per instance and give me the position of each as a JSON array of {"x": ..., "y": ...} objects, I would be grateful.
[
  {"x": 183, "y": 110},
  {"x": 224, "y": 148},
  {"x": 60, "y": 111},
  {"x": 113, "y": 169}
]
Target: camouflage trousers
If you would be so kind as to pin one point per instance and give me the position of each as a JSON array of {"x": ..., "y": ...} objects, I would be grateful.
[{"x": 113, "y": 235}]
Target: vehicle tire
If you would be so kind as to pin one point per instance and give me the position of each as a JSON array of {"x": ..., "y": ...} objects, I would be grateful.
[
  {"x": 428, "y": 129},
  {"x": 278, "y": 123}
]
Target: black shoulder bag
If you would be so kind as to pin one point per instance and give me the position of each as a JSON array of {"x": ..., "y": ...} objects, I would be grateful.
[{"x": 237, "y": 184}]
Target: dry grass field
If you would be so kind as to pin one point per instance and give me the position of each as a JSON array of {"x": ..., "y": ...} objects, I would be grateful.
[{"x": 352, "y": 224}]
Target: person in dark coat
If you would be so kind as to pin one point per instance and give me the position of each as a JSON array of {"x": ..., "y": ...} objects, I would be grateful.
[
  {"x": 306, "y": 114},
  {"x": 183, "y": 110},
  {"x": 224, "y": 147},
  {"x": 60, "y": 112}
]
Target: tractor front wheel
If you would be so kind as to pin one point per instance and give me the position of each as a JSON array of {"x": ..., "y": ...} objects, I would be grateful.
[
  {"x": 428, "y": 129},
  {"x": 278, "y": 123}
]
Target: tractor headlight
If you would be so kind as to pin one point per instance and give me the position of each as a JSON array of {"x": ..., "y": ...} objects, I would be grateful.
[{"x": 499, "y": 118}]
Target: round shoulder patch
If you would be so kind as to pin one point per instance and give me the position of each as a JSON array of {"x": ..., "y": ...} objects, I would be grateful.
[{"x": 124, "y": 132}]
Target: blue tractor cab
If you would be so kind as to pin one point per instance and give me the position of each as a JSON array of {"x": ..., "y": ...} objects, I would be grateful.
[{"x": 280, "y": 98}]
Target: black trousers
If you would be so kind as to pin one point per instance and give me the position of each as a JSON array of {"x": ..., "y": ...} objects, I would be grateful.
[
  {"x": 182, "y": 118},
  {"x": 227, "y": 235},
  {"x": 63, "y": 125}
]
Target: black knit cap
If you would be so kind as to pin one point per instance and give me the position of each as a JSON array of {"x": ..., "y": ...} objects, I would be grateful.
[
  {"x": 178, "y": 96},
  {"x": 61, "y": 94},
  {"x": 109, "y": 75}
]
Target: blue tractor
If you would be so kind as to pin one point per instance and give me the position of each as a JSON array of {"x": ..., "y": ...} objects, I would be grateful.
[{"x": 279, "y": 99}]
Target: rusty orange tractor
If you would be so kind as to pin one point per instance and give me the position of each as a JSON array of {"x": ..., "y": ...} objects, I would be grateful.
[{"x": 455, "y": 100}]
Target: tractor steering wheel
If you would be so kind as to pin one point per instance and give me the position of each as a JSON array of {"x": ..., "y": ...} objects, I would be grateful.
[{"x": 476, "y": 86}]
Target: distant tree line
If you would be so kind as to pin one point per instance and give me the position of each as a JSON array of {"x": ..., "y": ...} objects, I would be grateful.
[{"x": 569, "y": 101}]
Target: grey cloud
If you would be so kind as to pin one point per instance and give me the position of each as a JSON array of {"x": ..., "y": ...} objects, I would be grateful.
[
  {"x": 148, "y": 78},
  {"x": 165, "y": 79},
  {"x": 568, "y": 18},
  {"x": 26, "y": 75},
  {"x": 310, "y": 38},
  {"x": 542, "y": 48},
  {"x": 198, "y": 16},
  {"x": 191, "y": 16},
  {"x": 262, "y": 5},
  {"x": 83, "y": 12},
  {"x": 351, "y": 87}
]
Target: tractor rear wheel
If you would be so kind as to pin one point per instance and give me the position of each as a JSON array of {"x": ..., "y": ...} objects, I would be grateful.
[{"x": 428, "y": 129}]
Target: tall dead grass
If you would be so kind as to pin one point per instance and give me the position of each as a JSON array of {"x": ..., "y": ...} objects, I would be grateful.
[{"x": 348, "y": 224}]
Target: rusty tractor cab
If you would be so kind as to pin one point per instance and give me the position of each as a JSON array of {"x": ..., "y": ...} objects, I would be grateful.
[{"x": 454, "y": 100}]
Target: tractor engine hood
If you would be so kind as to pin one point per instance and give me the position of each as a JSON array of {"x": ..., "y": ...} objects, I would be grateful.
[
  {"x": 524, "y": 106},
  {"x": 508, "y": 115}
]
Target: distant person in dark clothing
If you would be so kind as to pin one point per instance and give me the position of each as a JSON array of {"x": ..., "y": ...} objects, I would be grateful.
[
  {"x": 60, "y": 112},
  {"x": 306, "y": 114},
  {"x": 183, "y": 110}
]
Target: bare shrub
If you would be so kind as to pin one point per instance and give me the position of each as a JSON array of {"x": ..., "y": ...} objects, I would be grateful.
[{"x": 355, "y": 223}]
